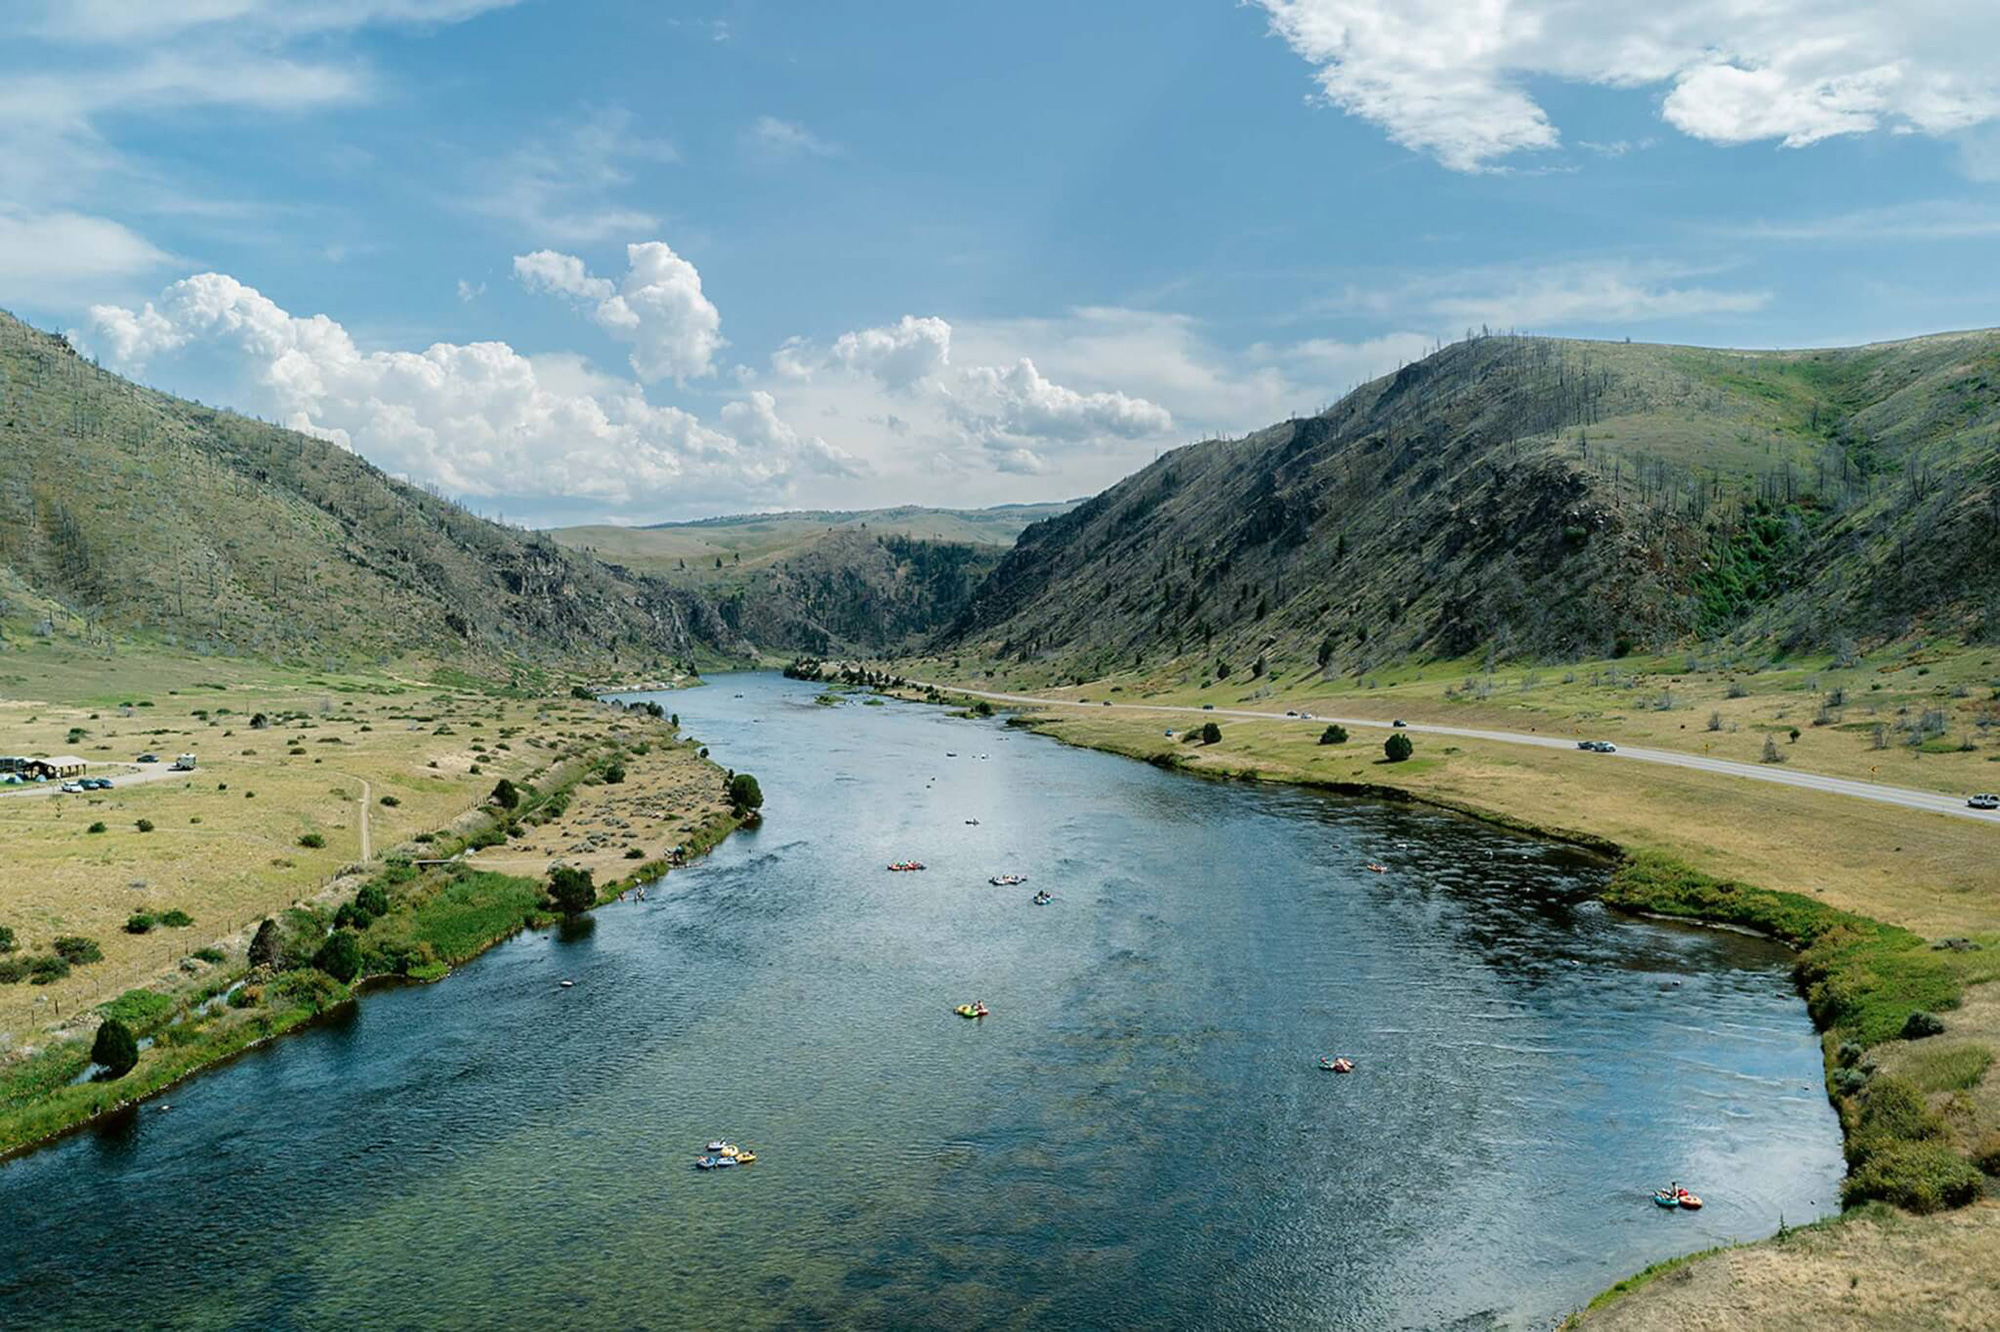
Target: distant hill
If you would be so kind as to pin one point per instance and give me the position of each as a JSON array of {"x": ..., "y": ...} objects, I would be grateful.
[
  {"x": 824, "y": 581},
  {"x": 1541, "y": 498},
  {"x": 127, "y": 511},
  {"x": 747, "y": 538}
]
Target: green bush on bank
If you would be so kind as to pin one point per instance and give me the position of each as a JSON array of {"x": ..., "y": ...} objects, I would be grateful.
[{"x": 1863, "y": 981}]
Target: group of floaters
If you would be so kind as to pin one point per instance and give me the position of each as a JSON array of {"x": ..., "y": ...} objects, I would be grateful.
[
  {"x": 905, "y": 866},
  {"x": 1008, "y": 880},
  {"x": 975, "y": 1009},
  {"x": 721, "y": 1155},
  {"x": 1340, "y": 1064},
  {"x": 1676, "y": 1196}
]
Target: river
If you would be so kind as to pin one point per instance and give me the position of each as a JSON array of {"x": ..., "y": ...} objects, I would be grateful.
[{"x": 1137, "y": 1135}]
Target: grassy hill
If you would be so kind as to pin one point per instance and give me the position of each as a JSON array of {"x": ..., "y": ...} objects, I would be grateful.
[
  {"x": 1540, "y": 498},
  {"x": 825, "y": 581},
  {"x": 771, "y": 537},
  {"x": 124, "y": 511}
]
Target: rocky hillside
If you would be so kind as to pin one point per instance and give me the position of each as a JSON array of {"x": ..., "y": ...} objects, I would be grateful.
[
  {"x": 1541, "y": 498},
  {"x": 826, "y": 582},
  {"x": 126, "y": 511}
]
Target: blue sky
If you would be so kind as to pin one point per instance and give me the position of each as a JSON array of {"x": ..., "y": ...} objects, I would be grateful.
[{"x": 630, "y": 262}]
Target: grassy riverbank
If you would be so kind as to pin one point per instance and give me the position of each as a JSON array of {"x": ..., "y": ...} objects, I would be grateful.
[
  {"x": 1878, "y": 940},
  {"x": 427, "y": 907}
]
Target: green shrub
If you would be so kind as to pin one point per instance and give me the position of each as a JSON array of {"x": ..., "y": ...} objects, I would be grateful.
[
  {"x": 7, "y": 944},
  {"x": 505, "y": 794},
  {"x": 47, "y": 969},
  {"x": 1987, "y": 1155},
  {"x": 312, "y": 841},
  {"x": 142, "y": 1010},
  {"x": 76, "y": 950},
  {"x": 634, "y": 853},
  {"x": 1397, "y": 747},
  {"x": 372, "y": 899},
  {"x": 266, "y": 948},
  {"x": 139, "y": 922},
  {"x": 14, "y": 970},
  {"x": 1333, "y": 735},
  {"x": 340, "y": 956},
  {"x": 614, "y": 773},
  {"x": 744, "y": 793},
  {"x": 389, "y": 802},
  {"x": 144, "y": 825},
  {"x": 1921, "y": 1024},
  {"x": 1211, "y": 734},
  {"x": 572, "y": 889},
  {"x": 115, "y": 1048},
  {"x": 1892, "y": 1110},
  {"x": 306, "y": 987},
  {"x": 211, "y": 955},
  {"x": 176, "y": 918},
  {"x": 1919, "y": 1176},
  {"x": 96, "y": 827}
]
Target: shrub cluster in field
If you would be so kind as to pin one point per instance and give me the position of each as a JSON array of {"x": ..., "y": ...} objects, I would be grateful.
[
  {"x": 1865, "y": 983},
  {"x": 66, "y": 951}
]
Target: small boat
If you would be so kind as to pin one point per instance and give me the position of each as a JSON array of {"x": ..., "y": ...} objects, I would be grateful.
[
  {"x": 565, "y": 985},
  {"x": 1008, "y": 880},
  {"x": 728, "y": 1149},
  {"x": 970, "y": 1010},
  {"x": 1042, "y": 899},
  {"x": 905, "y": 866},
  {"x": 713, "y": 1162},
  {"x": 1689, "y": 1201},
  {"x": 1661, "y": 1198},
  {"x": 715, "y": 1148},
  {"x": 1374, "y": 868},
  {"x": 972, "y": 823},
  {"x": 745, "y": 1157},
  {"x": 951, "y": 753},
  {"x": 1340, "y": 1065}
]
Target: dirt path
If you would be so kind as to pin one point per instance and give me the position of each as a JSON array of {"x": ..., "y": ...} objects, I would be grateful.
[{"x": 367, "y": 851}]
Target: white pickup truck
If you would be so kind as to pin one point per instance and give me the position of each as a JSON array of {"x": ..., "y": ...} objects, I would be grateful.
[{"x": 185, "y": 763}]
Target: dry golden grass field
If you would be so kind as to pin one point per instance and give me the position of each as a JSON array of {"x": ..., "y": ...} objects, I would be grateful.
[
  {"x": 1880, "y": 1271},
  {"x": 272, "y": 815}
]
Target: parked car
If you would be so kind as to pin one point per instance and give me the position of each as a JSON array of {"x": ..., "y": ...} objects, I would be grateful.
[
  {"x": 104, "y": 783},
  {"x": 1290, "y": 713},
  {"x": 1399, "y": 722},
  {"x": 71, "y": 788},
  {"x": 1605, "y": 747},
  {"x": 1107, "y": 702},
  {"x": 1307, "y": 715},
  {"x": 1984, "y": 801},
  {"x": 148, "y": 758},
  {"x": 1208, "y": 707}
]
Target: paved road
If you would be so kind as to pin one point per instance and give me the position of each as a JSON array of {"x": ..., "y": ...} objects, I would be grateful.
[
  {"x": 123, "y": 774},
  {"x": 1928, "y": 801}
]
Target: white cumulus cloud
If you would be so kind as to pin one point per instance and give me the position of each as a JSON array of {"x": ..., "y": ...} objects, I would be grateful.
[
  {"x": 900, "y": 355},
  {"x": 659, "y": 307},
  {"x": 478, "y": 419},
  {"x": 1451, "y": 78}
]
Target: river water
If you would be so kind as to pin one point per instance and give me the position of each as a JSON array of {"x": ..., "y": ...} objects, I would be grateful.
[{"x": 1136, "y": 1136}]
